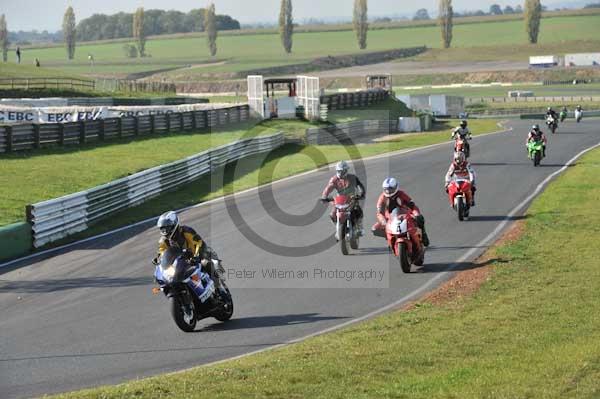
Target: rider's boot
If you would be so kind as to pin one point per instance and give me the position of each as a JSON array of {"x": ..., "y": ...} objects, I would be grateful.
[
  {"x": 421, "y": 223},
  {"x": 359, "y": 228}
]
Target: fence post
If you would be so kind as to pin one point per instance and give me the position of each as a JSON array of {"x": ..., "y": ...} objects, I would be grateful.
[
  {"x": 61, "y": 134},
  {"x": 194, "y": 122},
  {"x": 9, "y": 139},
  {"x": 81, "y": 132},
  {"x": 120, "y": 127},
  {"x": 36, "y": 136},
  {"x": 152, "y": 127},
  {"x": 136, "y": 126},
  {"x": 101, "y": 132},
  {"x": 181, "y": 121}
]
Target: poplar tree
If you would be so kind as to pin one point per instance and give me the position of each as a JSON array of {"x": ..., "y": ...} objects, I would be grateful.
[
  {"x": 286, "y": 25},
  {"x": 533, "y": 16},
  {"x": 361, "y": 26},
  {"x": 69, "y": 32}
]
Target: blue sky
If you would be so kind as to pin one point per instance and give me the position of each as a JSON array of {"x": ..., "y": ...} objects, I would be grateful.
[{"x": 47, "y": 14}]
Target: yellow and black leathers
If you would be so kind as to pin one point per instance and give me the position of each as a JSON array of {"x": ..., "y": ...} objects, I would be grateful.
[{"x": 185, "y": 238}]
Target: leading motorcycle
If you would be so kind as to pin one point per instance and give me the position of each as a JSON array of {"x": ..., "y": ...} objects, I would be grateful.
[
  {"x": 578, "y": 115},
  {"x": 535, "y": 149},
  {"x": 457, "y": 196},
  {"x": 405, "y": 239},
  {"x": 191, "y": 292},
  {"x": 346, "y": 230}
]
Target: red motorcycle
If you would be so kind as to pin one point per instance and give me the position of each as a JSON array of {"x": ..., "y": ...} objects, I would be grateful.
[
  {"x": 459, "y": 194},
  {"x": 461, "y": 145},
  {"x": 346, "y": 231},
  {"x": 404, "y": 239}
]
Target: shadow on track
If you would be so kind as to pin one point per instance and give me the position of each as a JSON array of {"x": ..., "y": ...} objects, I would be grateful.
[
  {"x": 267, "y": 321},
  {"x": 137, "y": 352},
  {"x": 46, "y": 286}
]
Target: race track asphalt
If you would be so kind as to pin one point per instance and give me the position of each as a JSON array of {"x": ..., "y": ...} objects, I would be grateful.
[{"x": 86, "y": 316}]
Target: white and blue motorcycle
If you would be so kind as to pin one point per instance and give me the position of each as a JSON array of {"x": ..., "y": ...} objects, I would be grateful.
[{"x": 192, "y": 293}]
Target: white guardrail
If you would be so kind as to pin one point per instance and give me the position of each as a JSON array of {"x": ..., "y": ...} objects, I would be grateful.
[{"x": 57, "y": 218}]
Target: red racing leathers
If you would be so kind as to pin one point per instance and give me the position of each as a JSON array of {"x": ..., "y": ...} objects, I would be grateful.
[
  {"x": 348, "y": 185},
  {"x": 386, "y": 205},
  {"x": 463, "y": 170}
]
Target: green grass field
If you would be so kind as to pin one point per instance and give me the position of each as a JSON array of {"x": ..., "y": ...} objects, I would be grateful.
[
  {"x": 531, "y": 331},
  {"x": 263, "y": 50},
  {"x": 68, "y": 170},
  {"x": 592, "y": 89}
]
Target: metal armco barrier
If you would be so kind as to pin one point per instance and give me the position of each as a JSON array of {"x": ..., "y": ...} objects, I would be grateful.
[
  {"x": 354, "y": 99},
  {"x": 55, "y": 219},
  {"x": 30, "y": 136},
  {"x": 350, "y": 132}
]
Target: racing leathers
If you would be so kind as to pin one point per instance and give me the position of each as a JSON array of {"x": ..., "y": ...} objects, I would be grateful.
[
  {"x": 462, "y": 170},
  {"x": 537, "y": 135},
  {"x": 348, "y": 185},
  {"x": 402, "y": 201}
]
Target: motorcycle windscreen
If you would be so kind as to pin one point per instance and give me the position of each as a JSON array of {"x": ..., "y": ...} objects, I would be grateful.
[{"x": 169, "y": 257}]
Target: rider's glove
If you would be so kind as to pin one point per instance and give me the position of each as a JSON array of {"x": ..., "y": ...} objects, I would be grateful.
[
  {"x": 324, "y": 199},
  {"x": 155, "y": 261},
  {"x": 196, "y": 260},
  {"x": 446, "y": 188}
]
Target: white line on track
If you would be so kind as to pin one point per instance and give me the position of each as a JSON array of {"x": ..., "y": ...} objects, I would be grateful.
[{"x": 238, "y": 194}]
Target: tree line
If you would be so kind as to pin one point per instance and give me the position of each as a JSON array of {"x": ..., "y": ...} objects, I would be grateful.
[
  {"x": 156, "y": 22},
  {"x": 143, "y": 23}
]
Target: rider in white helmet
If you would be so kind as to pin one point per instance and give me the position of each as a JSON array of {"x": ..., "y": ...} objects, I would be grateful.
[
  {"x": 346, "y": 184},
  {"x": 461, "y": 168},
  {"x": 185, "y": 238},
  {"x": 391, "y": 198}
]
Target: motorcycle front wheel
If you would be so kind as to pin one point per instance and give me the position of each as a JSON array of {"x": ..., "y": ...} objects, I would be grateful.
[
  {"x": 226, "y": 310},
  {"x": 343, "y": 240},
  {"x": 460, "y": 208},
  {"x": 184, "y": 316},
  {"x": 537, "y": 157},
  {"x": 403, "y": 257}
]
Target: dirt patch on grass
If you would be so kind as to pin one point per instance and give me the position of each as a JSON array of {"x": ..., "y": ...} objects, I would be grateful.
[{"x": 467, "y": 282}]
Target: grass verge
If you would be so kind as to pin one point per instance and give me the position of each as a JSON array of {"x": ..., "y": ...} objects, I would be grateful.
[
  {"x": 38, "y": 175},
  {"x": 532, "y": 330}
]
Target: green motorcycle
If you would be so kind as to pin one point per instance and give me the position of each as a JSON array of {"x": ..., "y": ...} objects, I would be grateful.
[
  {"x": 563, "y": 116},
  {"x": 535, "y": 149}
]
